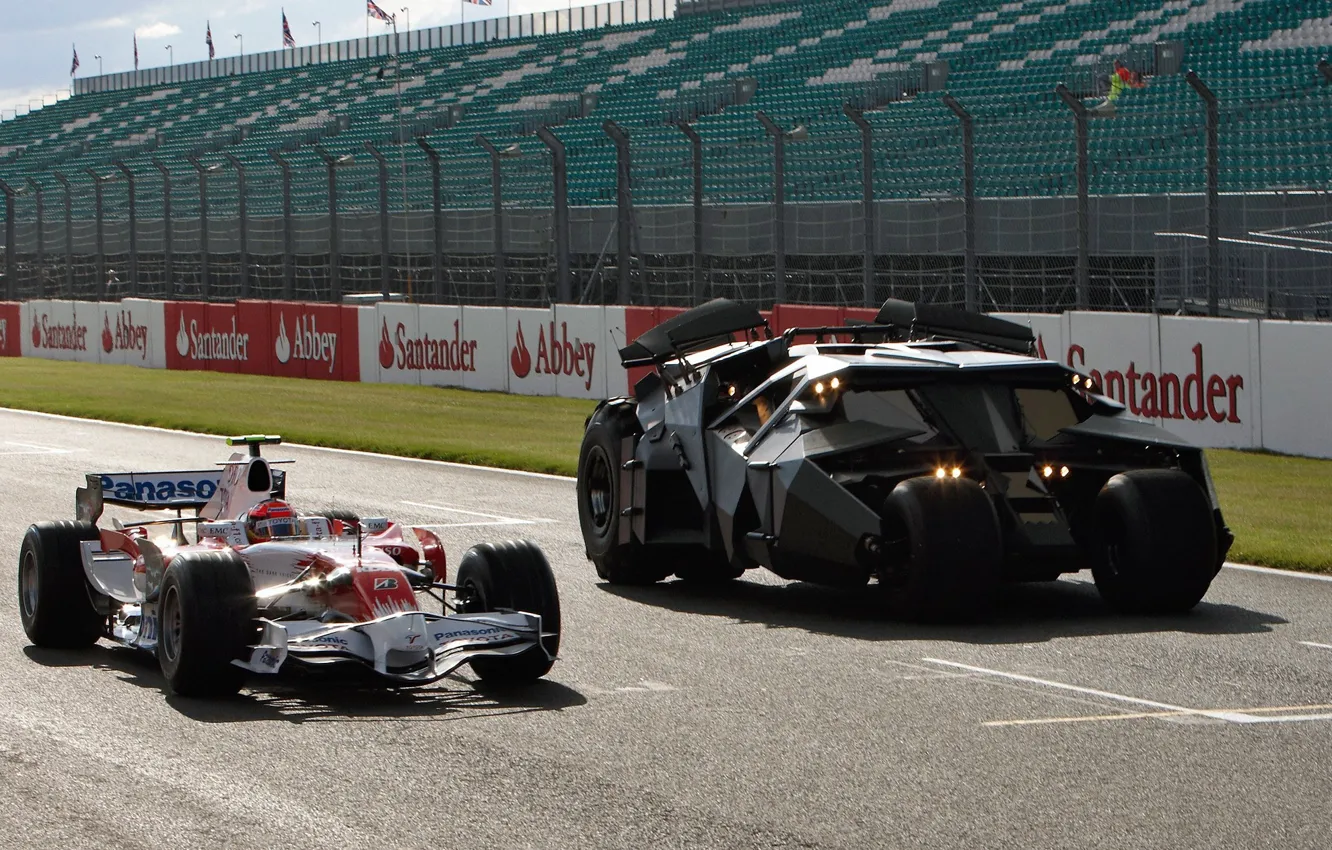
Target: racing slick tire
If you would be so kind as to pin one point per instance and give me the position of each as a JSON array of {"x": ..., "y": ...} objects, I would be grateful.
[
  {"x": 206, "y": 618},
  {"x": 55, "y": 601},
  {"x": 954, "y": 549},
  {"x": 513, "y": 575},
  {"x": 599, "y": 502},
  {"x": 344, "y": 516},
  {"x": 1156, "y": 548}
]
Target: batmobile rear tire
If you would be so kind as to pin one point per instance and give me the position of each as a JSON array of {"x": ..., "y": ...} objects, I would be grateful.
[
  {"x": 1156, "y": 547},
  {"x": 517, "y": 576},
  {"x": 206, "y": 618},
  {"x": 55, "y": 600},
  {"x": 954, "y": 549},
  {"x": 599, "y": 502}
]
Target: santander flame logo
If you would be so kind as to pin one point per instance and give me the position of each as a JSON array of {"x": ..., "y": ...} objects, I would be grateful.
[
  {"x": 36, "y": 332},
  {"x": 282, "y": 348},
  {"x": 108, "y": 341},
  {"x": 182, "y": 339},
  {"x": 385, "y": 347},
  {"x": 520, "y": 359}
]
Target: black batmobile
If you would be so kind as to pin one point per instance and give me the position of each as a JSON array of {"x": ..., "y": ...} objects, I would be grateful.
[{"x": 928, "y": 451}]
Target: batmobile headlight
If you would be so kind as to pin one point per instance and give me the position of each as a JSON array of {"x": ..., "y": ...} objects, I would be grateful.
[
  {"x": 1047, "y": 471},
  {"x": 957, "y": 472},
  {"x": 946, "y": 472},
  {"x": 818, "y": 388},
  {"x": 1063, "y": 472},
  {"x": 941, "y": 473}
]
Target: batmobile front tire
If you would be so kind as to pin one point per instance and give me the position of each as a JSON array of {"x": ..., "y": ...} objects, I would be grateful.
[
  {"x": 954, "y": 549},
  {"x": 513, "y": 575},
  {"x": 55, "y": 601},
  {"x": 1156, "y": 548},
  {"x": 599, "y": 502},
  {"x": 206, "y": 618}
]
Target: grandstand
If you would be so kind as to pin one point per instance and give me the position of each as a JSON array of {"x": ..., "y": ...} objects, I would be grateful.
[{"x": 356, "y": 126}]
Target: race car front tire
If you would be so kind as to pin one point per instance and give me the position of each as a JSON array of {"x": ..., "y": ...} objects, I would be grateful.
[
  {"x": 1156, "y": 549},
  {"x": 599, "y": 502},
  {"x": 513, "y": 575},
  {"x": 55, "y": 601},
  {"x": 206, "y": 619},
  {"x": 954, "y": 549}
]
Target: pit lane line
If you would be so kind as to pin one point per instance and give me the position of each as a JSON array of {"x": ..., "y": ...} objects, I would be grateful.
[{"x": 1164, "y": 709}]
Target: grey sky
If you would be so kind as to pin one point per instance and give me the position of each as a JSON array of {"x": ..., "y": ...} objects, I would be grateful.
[{"x": 36, "y": 41}]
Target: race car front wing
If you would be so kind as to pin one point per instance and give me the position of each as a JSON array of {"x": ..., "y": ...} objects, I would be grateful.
[{"x": 411, "y": 647}]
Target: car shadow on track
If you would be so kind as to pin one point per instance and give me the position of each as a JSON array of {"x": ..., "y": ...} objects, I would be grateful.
[
  {"x": 314, "y": 700},
  {"x": 1024, "y": 613}
]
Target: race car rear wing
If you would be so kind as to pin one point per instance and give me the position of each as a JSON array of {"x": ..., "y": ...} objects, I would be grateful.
[{"x": 178, "y": 491}]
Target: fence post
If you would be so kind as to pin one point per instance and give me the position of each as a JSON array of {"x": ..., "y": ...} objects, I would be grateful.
[
  {"x": 288, "y": 237},
  {"x": 244, "y": 224},
  {"x": 69, "y": 234},
  {"x": 779, "y": 203},
  {"x": 133, "y": 229},
  {"x": 624, "y": 208},
  {"x": 437, "y": 217},
  {"x": 41, "y": 236},
  {"x": 10, "y": 286},
  {"x": 334, "y": 253},
  {"x": 168, "y": 255},
  {"x": 866, "y": 198},
  {"x": 560, "y": 176},
  {"x": 1084, "y": 235},
  {"x": 205, "y": 279},
  {"x": 696, "y": 154},
  {"x": 496, "y": 189},
  {"x": 1213, "y": 190},
  {"x": 385, "y": 274},
  {"x": 1325, "y": 68},
  {"x": 968, "y": 199},
  {"x": 100, "y": 285}
]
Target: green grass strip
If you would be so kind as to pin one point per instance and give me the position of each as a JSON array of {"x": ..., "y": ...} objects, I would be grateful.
[{"x": 1276, "y": 505}]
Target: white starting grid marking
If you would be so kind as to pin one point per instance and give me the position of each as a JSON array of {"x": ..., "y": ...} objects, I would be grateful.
[
  {"x": 1162, "y": 709},
  {"x": 486, "y": 519},
  {"x": 31, "y": 449}
]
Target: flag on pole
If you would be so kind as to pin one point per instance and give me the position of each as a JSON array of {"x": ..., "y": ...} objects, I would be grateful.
[
  {"x": 74, "y": 66},
  {"x": 136, "y": 51},
  {"x": 480, "y": 2},
  {"x": 208, "y": 37},
  {"x": 287, "y": 39},
  {"x": 377, "y": 13}
]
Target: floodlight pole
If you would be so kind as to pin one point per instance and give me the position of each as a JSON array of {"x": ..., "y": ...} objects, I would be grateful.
[
  {"x": 497, "y": 217},
  {"x": 560, "y": 177},
  {"x": 696, "y": 156},
  {"x": 1213, "y": 190},
  {"x": 288, "y": 237},
  {"x": 133, "y": 227},
  {"x": 972, "y": 296},
  {"x": 779, "y": 203},
  {"x": 437, "y": 217},
  {"x": 69, "y": 234},
  {"x": 1083, "y": 271}
]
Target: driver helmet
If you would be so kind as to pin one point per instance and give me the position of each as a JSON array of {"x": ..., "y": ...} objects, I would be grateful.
[{"x": 270, "y": 519}]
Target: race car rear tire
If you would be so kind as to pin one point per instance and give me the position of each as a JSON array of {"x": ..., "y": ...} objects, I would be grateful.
[
  {"x": 344, "y": 516},
  {"x": 206, "y": 618},
  {"x": 514, "y": 575},
  {"x": 55, "y": 601},
  {"x": 954, "y": 549},
  {"x": 599, "y": 502},
  {"x": 1156, "y": 549}
]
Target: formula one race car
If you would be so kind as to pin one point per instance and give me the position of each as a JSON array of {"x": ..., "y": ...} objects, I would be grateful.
[
  {"x": 929, "y": 451},
  {"x": 262, "y": 589}
]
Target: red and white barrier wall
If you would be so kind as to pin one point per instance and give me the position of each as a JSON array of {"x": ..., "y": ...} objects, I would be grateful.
[{"x": 1218, "y": 382}]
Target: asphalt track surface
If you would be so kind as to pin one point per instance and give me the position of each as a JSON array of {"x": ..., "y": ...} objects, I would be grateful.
[{"x": 764, "y": 715}]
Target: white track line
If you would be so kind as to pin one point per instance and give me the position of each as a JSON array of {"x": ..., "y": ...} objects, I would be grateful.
[
  {"x": 1315, "y": 645},
  {"x": 1163, "y": 706},
  {"x": 504, "y": 519},
  {"x": 1271, "y": 572},
  {"x": 354, "y": 452},
  {"x": 34, "y": 449}
]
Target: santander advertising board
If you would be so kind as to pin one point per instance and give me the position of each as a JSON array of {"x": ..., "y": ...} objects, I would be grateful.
[{"x": 424, "y": 353}]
